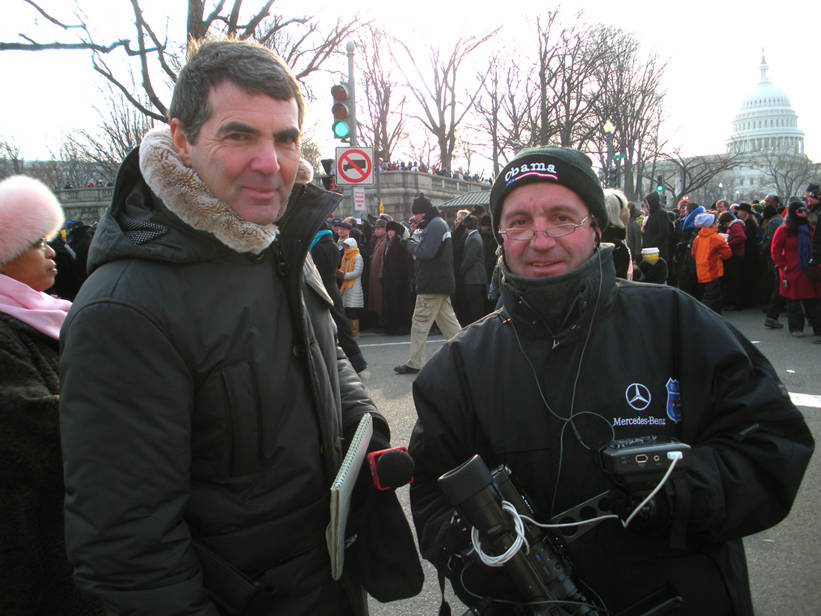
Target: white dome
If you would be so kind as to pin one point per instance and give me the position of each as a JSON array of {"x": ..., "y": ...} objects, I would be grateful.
[{"x": 766, "y": 121}]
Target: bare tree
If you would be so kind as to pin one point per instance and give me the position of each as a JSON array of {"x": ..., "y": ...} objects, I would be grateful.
[
  {"x": 787, "y": 171},
  {"x": 503, "y": 109},
  {"x": 309, "y": 150},
  {"x": 422, "y": 150},
  {"x": 121, "y": 129},
  {"x": 384, "y": 124},
  {"x": 157, "y": 57},
  {"x": 11, "y": 163},
  {"x": 442, "y": 105},
  {"x": 697, "y": 172},
  {"x": 633, "y": 100},
  {"x": 489, "y": 111},
  {"x": 569, "y": 64}
]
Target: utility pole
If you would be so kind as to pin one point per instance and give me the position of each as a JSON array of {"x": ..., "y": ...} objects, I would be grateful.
[{"x": 352, "y": 89}]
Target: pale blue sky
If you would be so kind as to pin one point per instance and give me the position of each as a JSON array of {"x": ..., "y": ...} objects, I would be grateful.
[{"x": 714, "y": 51}]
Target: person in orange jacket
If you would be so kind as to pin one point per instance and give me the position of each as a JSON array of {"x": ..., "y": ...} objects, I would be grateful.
[{"x": 710, "y": 250}]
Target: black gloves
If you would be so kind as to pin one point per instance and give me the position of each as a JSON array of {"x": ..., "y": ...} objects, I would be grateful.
[{"x": 656, "y": 515}]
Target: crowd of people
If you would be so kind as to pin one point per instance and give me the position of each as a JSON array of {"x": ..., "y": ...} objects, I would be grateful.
[
  {"x": 180, "y": 451},
  {"x": 421, "y": 167},
  {"x": 723, "y": 255},
  {"x": 744, "y": 255}
]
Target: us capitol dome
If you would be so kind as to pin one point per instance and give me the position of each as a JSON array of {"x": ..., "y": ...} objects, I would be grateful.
[{"x": 766, "y": 121}]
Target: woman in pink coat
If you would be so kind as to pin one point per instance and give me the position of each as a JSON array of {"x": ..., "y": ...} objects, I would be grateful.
[{"x": 791, "y": 250}]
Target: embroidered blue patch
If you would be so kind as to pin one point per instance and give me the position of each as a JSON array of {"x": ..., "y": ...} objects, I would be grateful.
[{"x": 673, "y": 400}]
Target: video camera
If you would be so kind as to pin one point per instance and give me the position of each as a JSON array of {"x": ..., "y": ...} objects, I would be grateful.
[{"x": 539, "y": 571}]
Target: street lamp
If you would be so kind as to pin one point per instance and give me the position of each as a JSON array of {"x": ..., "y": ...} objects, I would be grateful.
[
  {"x": 609, "y": 129},
  {"x": 721, "y": 190}
]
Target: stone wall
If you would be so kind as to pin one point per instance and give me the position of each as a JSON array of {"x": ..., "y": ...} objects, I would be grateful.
[
  {"x": 86, "y": 204},
  {"x": 397, "y": 189}
]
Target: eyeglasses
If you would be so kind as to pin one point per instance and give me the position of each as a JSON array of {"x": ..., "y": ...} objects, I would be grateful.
[{"x": 528, "y": 233}]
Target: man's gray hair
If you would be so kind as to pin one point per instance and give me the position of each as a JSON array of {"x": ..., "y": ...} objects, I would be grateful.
[{"x": 246, "y": 64}]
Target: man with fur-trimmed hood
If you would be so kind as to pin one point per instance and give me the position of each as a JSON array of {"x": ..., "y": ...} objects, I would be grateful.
[{"x": 206, "y": 405}]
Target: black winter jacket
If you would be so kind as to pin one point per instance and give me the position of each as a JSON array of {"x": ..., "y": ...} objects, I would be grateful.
[
  {"x": 35, "y": 577},
  {"x": 658, "y": 232},
  {"x": 506, "y": 386},
  {"x": 472, "y": 266},
  {"x": 203, "y": 396}
]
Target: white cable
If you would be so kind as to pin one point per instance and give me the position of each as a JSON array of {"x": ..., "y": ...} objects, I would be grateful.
[
  {"x": 674, "y": 457},
  {"x": 501, "y": 559},
  {"x": 600, "y": 518}
]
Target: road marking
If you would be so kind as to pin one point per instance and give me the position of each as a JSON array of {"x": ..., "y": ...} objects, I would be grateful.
[
  {"x": 810, "y": 400},
  {"x": 406, "y": 342}
]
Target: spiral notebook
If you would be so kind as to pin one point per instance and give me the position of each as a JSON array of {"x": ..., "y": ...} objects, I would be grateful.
[{"x": 341, "y": 490}]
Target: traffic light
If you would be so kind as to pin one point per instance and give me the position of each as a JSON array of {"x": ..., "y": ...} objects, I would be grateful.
[
  {"x": 660, "y": 184},
  {"x": 329, "y": 179},
  {"x": 342, "y": 111},
  {"x": 612, "y": 177}
]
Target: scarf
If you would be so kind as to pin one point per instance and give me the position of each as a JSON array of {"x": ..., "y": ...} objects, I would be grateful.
[
  {"x": 557, "y": 306},
  {"x": 43, "y": 312},
  {"x": 804, "y": 246},
  {"x": 348, "y": 263}
]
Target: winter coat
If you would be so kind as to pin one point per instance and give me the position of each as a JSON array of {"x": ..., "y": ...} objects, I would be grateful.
[
  {"x": 770, "y": 227},
  {"x": 432, "y": 255},
  {"x": 658, "y": 233},
  {"x": 397, "y": 306},
  {"x": 704, "y": 384},
  {"x": 621, "y": 253},
  {"x": 784, "y": 251},
  {"x": 737, "y": 237},
  {"x": 375, "y": 275},
  {"x": 201, "y": 369},
  {"x": 490, "y": 246},
  {"x": 35, "y": 577},
  {"x": 472, "y": 266},
  {"x": 634, "y": 239},
  {"x": 709, "y": 251},
  {"x": 353, "y": 297}
]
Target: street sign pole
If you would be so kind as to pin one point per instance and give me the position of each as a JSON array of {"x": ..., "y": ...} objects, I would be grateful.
[{"x": 352, "y": 89}]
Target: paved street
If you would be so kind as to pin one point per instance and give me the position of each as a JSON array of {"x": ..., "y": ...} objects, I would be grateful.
[{"x": 784, "y": 561}]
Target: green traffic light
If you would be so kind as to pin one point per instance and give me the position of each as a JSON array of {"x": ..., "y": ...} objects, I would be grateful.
[
  {"x": 341, "y": 129},
  {"x": 659, "y": 188}
]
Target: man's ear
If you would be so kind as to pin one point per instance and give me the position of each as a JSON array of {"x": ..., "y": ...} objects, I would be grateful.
[{"x": 180, "y": 140}]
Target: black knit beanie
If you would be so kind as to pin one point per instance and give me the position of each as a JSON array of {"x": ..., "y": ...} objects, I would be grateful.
[
  {"x": 422, "y": 205},
  {"x": 565, "y": 166}
]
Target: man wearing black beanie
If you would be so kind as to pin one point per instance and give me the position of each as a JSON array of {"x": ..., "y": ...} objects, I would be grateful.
[
  {"x": 432, "y": 251},
  {"x": 575, "y": 368}
]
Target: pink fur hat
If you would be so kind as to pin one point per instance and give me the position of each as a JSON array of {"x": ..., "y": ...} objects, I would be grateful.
[{"x": 29, "y": 211}]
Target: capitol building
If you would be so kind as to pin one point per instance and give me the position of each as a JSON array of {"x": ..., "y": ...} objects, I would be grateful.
[
  {"x": 766, "y": 121},
  {"x": 766, "y": 147}
]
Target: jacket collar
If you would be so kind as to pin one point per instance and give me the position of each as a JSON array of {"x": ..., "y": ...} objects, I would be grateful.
[{"x": 559, "y": 306}]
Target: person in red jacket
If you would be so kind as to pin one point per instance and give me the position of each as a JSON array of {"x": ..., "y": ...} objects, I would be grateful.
[
  {"x": 709, "y": 251},
  {"x": 791, "y": 252}
]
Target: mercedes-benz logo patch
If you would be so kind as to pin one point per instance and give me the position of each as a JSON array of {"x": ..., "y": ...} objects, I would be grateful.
[{"x": 638, "y": 396}]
